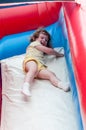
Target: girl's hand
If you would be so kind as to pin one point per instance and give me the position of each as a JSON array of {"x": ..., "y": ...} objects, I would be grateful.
[{"x": 59, "y": 55}]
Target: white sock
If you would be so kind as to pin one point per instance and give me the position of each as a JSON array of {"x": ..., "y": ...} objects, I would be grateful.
[{"x": 26, "y": 89}]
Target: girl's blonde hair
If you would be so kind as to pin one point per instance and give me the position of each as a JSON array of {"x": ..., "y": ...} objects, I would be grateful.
[{"x": 36, "y": 35}]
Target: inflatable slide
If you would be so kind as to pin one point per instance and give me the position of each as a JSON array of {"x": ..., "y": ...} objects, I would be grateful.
[{"x": 48, "y": 108}]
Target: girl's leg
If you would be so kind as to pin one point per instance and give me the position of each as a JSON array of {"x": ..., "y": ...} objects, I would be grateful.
[
  {"x": 32, "y": 69},
  {"x": 48, "y": 75}
]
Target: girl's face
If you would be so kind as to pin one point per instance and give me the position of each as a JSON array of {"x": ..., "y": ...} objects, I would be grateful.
[{"x": 43, "y": 39}]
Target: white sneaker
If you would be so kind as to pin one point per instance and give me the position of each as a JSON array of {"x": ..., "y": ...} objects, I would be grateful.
[
  {"x": 26, "y": 90},
  {"x": 64, "y": 86}
]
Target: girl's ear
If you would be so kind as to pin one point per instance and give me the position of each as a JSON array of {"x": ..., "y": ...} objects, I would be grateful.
[{"x": 31, "y": 39}]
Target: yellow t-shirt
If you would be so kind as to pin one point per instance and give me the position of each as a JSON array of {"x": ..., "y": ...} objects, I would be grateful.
[{"x": 32, "y": 52}]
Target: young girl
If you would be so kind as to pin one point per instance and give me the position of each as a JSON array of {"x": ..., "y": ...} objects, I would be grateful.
[{"x": 34, "y": 65}]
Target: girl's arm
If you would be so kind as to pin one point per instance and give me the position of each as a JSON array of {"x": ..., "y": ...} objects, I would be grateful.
[{"x": 49, "y": 51}]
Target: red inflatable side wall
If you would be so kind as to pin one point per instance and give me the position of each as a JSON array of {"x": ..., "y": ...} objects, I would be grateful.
[
  {"x": 23, "y": 18},
  {"x": 76, "y": 24}
]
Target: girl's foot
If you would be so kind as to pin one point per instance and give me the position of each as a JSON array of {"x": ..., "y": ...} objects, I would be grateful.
[
  {"x": 26, "y": 89},
  {"x": 64, "y": 86}
]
